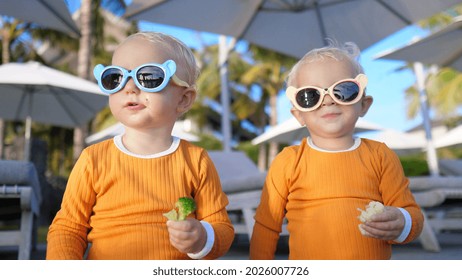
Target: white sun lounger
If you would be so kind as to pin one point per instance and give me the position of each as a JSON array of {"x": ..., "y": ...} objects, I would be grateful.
[
  {"x": 431, "y": 194},
  {"x": 450, "y": 167},
  {"x": 242, "y": 182}
]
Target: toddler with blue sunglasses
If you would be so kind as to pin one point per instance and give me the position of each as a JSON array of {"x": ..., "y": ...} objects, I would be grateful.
[
  {"x": 120, "y": 188},
  {"x": 320, "y": 184}
]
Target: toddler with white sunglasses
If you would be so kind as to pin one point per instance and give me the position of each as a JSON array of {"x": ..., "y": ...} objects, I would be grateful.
[
  {"x": 319, "y": 184},
  {"x": 120, "y": 188}
]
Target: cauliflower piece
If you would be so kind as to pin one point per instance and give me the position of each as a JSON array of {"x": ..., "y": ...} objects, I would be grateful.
[
  {"x": 185, "y": 205},
  {"x": 374, "y": 207}
]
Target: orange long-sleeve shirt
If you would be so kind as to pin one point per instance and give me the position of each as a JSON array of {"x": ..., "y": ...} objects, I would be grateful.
[
  {"x": 115, "y": 201},
  {"x": 319, "y": 193}
]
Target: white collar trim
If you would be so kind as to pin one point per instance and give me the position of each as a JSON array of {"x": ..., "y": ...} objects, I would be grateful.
[
  {"x": 352, "y": 148},
  {"x": 121, "y": 147}
]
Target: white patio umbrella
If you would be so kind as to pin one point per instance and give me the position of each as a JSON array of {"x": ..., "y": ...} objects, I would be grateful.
[
  {"x": 290, "y": 27},
  {"x": 290, "y": 131},
  {"x": 401, "y": 142},
  {"x": 442, "y": 48},
  {"x": 118, "y": 128},
  {"x": 450, "y": 138},
  {"x": 53, "y": 14},
  {"x": 33, "y": 92}
]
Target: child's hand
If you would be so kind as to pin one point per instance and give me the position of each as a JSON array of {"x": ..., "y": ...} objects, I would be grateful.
[
  {"x": 188, "y": 236},
  {"x": 387, "y": 225}
]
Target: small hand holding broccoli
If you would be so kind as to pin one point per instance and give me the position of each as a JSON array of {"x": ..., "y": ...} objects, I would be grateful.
[
  {"x": 185, "y": 205},
  {"x": 187, "y": 235}
]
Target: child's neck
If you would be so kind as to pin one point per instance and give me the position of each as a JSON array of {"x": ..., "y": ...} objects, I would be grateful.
[
  {"x": 333, "y": 144},
  {"x": 145, "y": 143}
]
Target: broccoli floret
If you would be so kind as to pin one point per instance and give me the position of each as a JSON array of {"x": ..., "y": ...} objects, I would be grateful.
[{"x": 185, "y": 205}]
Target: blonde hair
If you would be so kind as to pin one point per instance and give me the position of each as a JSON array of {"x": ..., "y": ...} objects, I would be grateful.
[
  {"x": 348, "y": 51},
  {"x": 177, "y": 50}
]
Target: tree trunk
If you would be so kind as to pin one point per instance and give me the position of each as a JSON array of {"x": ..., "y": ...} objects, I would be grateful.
[
  {"x": 6, "y": 59},
  {"x": 273, "y": 146},
  {"x": 83, "y": 67},
  {"x": 262, "y": 157}
]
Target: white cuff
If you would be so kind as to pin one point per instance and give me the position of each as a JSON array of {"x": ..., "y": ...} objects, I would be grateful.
[
  {"x": 208, "y": 244},
  {"x": 407, "y": 226}
]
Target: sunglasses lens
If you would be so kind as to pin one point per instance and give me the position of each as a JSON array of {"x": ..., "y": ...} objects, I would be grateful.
[
  {"x": 346, "y": 91},
  {"x": 307, "y": 98},
  {"x": 111, "y": 78},
  {"x": 150, "y": 76}
]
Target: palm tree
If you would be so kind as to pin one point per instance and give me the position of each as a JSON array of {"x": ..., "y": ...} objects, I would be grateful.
[
  {"x": 209, "y": 89},
  {"x": 83, "y": 66},
  {"x": 269, "y": 72},
  {"x": 91, "y": 22},
  {"x": 443, "y": 91},
  {"x": 92, "y": 49},
  {"x": 445, "y": 88}
]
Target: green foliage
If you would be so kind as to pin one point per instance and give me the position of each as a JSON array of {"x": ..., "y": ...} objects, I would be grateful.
[
  {"x": 103, "y": 120},
  {"x": 59, "y": 141},
  {"x": 441, "y": 19},
  {"x": 249, "y": 149},
  {"x": 454, "y": 152},
  {"x": 42, "y": 233},
  {"x": 415, "y": 165},
  {"x": 209, "y": 142},
  {"x": 209, "y": 86},
  {"x": 444, "y": 91}
]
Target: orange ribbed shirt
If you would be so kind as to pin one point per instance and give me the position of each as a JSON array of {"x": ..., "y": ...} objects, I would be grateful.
[
  {"x": 115, "y": 201},
  {"x": 319, "y": 193}
]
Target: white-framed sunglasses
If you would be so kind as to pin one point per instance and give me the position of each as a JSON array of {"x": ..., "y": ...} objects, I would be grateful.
[
  {"x": 149, "y": 77},
  {"x": 344, "y": 92}
]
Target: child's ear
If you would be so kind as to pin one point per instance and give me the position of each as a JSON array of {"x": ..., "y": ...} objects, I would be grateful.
[
  {"x": 297, "y": 114},
  {"x": 366, "y": 103},
  {"x": 187, "y": 98}
]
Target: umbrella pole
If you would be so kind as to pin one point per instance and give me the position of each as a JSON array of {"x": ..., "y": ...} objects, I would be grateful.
[
  {"x": 27, "y": 139},
  {"x": 224, "y": 50},
  {"x": 432, "y": 158}
]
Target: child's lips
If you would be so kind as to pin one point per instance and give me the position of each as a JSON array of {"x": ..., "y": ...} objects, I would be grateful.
[
  {"x": 330, "y": 115},
  {"x": 134, "y": 106}
]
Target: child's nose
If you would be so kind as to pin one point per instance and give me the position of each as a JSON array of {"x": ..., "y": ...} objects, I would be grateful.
[
  {"x": 130, "y": 87},
  {"x": 327, "y": 101}
]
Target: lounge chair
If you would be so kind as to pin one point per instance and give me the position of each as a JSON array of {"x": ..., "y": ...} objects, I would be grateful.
[
  {"x": 20, "y": 199},
  {"x": 451, "y": 167},
  {"x": 242, "y": 182},
  {"x": 431, "y": 193}
]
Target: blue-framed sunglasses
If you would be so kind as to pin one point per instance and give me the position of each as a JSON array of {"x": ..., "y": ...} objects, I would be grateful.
[{"x": 150, "y": 77}]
